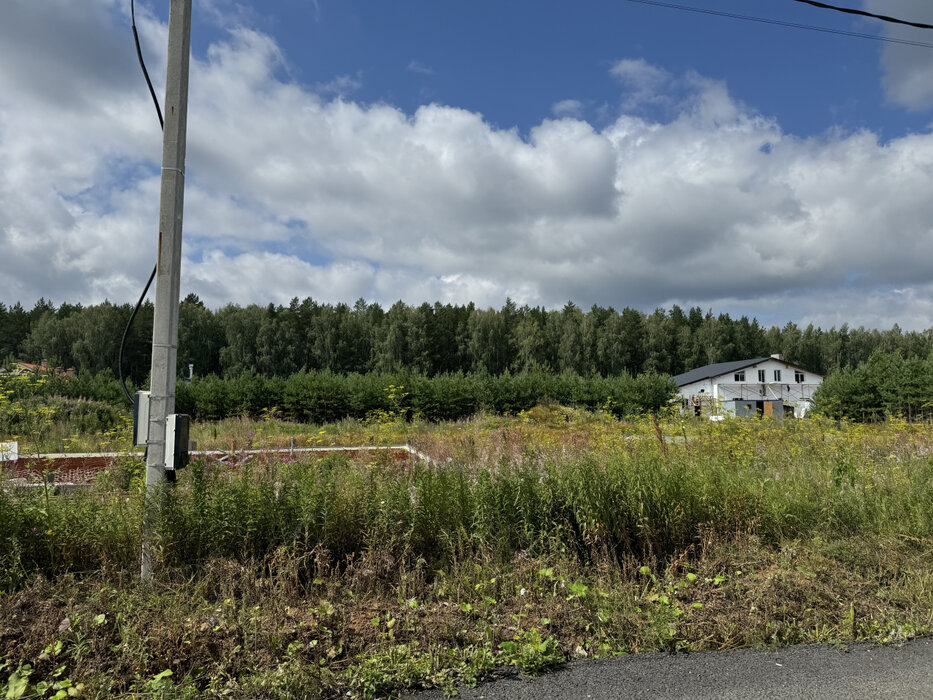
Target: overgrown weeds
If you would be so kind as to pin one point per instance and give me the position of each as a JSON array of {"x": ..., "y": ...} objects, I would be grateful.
[{"x": 526, "y": 542}]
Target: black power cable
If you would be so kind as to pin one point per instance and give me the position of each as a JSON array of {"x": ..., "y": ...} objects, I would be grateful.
[
  {"x": 782, "y": 23},
  {"x": 126, "y": 331},
  {"x": 863, "y": 13},
  {"x": 142, "y": 63},
  {"x": 155, "y": 100}
]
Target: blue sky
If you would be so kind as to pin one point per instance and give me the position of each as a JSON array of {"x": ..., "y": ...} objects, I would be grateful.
[
  {"x": 603, "y": 152},
  {"x": 512, "y": 61}
]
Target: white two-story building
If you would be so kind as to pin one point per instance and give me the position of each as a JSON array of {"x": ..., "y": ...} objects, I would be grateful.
[{"x": 766, "y": 386}]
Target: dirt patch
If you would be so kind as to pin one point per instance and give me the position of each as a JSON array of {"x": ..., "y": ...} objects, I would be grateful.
[
  {"x": 84, "y": 469},
  {"x": 61, "y": 470}
]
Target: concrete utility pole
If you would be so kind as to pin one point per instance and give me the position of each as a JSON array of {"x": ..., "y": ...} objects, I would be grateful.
[{"x": 168, "y": 277}]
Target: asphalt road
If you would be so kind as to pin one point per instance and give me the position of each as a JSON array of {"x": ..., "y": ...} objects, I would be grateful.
[{"x": 816, "y": 671}]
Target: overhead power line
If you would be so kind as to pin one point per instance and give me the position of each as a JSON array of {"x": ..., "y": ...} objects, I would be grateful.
[
  {"x": 155, "y": 101},
  {"x": 851, "y": 11},
  {"x": 142, "y": 63},
  {"x": 782, "y": 23}
]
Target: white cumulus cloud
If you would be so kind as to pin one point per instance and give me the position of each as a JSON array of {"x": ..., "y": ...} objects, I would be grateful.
[
  {"x": 295, "y": 191},
  {"x": 568, "y": 108},
  {"x": 907, "y": 70}
]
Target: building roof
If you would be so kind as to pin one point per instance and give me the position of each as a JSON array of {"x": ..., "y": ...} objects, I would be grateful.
[
  {"x": 715, "y": 370},
  {"x": 20, "y": 368}
]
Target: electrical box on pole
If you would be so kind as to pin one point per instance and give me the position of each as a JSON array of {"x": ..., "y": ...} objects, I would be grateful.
[
  {"x": 177, "y": 432},
  {"x": 141, "y": 418}
]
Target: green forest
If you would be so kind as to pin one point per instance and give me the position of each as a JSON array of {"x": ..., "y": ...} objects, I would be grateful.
[
  {"x": 319, "y": 362},
  {"x": 432, "y": 340}
]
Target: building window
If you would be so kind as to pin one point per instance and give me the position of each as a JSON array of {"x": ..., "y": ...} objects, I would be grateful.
[
  {"x": 777, "y": 375},
  {"x": 761, "y": 376},
  {"x": 740, "y": 376},
  {"x": 798, "y": 377}
]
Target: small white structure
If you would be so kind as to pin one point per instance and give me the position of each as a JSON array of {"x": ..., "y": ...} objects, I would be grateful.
[
  {"x": 766, "y": 386},
  {"x": 9, "y": 451}
]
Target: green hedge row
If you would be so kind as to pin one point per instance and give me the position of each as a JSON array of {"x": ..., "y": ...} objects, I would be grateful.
[
  {"x": 318, "y": 397},
  {"x": 322, "y": 396},
  {"x": 100, "y": 386}
]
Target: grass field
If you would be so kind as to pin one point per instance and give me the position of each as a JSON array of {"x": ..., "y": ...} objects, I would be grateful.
[{"x": 528, "y": 540}]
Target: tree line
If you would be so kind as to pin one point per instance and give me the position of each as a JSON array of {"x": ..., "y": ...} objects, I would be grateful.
[
  {"x": 432, "y": 339},
  {"x": 887, "y": 384},
  {"x": 323, "y": 396}
]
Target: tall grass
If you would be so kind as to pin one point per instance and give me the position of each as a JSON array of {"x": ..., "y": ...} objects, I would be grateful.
[{"x": 626, "y": 496}]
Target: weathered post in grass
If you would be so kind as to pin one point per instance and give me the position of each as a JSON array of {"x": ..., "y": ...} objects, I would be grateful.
[{"x": 168, "y": 277}]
